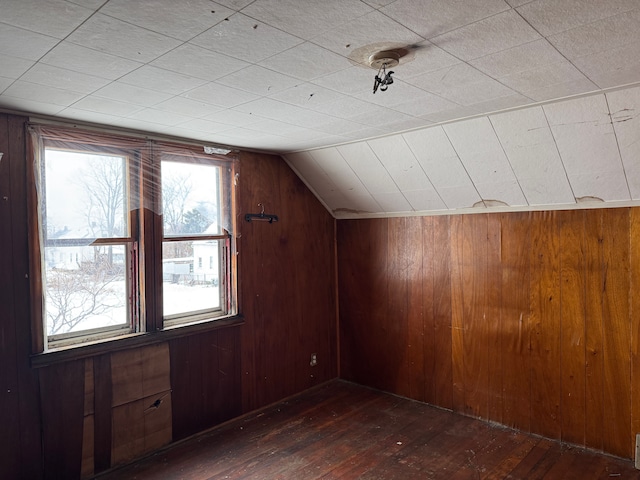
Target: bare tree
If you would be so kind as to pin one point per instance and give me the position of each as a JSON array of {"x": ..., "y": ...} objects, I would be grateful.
[
  {"x": 74, "y": 296},
  {"x": 175, "y": 191}
]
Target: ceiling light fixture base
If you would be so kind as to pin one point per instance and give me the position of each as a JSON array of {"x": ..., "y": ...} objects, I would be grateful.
[{"x": 387, "y": 59}]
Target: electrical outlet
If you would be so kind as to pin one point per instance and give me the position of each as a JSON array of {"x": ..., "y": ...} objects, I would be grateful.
[
  {"x": 638, "y": 451},
  {"x": 314, "y": 360}
]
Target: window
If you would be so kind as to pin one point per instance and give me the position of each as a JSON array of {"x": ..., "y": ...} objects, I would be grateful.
[{"x": 106, "y": 270}]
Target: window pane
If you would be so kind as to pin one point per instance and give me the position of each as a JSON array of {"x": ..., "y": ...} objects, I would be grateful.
[
  {"x": 190, "y": 199},
  {"x": 85, "y": 195},
  {"x": 86, "y": 293},
  {"x": 189, "y": 287}
]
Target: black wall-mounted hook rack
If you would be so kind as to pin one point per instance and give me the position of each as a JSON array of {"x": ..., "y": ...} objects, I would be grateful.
[{"x": 265, "y": 217}]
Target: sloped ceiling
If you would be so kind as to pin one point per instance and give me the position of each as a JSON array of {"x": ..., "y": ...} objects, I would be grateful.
[
  {"x": 291, "y": 77},
  {"x": 574, "y": 153}
]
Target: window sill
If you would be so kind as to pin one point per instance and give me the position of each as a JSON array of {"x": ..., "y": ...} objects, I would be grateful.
[{"x": 124, "y": 342}]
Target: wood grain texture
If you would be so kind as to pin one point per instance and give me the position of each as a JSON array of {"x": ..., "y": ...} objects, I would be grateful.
[
  {"x": 617, "y": 335},
  {"x": 345, "y": 431},
  {"x": 545, "y": 325},
  {"x": 528, "y": 318},
  {"x": 62, "y": 399},
  {"x": 286, "y": 271},
  {"x": 572, "y": 337},
  {"x": 515, "y": 332},
  {"x": 594, "y": 361}
]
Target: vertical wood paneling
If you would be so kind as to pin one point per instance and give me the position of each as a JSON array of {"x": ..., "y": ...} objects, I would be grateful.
[
  {"x": 476, "y": 338},
  {"x": 594, "y": 361},
  {"x": 415, "y": 309},
  {"x": 617, "y": 334},
  {"x": 429, "y": 310},
  {"x": 493, "y": 327},
  {"x": 102, "y": 424},
  {"x": 399, "y": 344},
  {"x": 62, "y": 400},
  {"x": 572, "y": 337},
  {"x": 9, "y": 395},
  {"x": 545, "y": 320},
  {"x": 515, "y": 321},
  {"x": 457, "y": 313},
  {"x": 634, "y": 315},
  {"x": 442, "y": 312},
  {"x": 531, "y": 316},
  {"x": 286, "y": 271}
]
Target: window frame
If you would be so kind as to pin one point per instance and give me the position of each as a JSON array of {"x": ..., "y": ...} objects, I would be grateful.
[{"x": 143, "y": 245}]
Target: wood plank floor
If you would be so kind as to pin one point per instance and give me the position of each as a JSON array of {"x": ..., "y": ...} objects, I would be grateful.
[{"x": 345, "y": 431}]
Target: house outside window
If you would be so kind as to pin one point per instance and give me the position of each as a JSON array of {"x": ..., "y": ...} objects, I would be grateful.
[{"x": 96, "y": 200}]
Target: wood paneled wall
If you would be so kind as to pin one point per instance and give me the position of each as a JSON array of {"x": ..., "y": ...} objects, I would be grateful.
[
  {"x": 526, "y": 319},
  {"x": 61, "y": 420},
  {"x": 288, "y": 284}
]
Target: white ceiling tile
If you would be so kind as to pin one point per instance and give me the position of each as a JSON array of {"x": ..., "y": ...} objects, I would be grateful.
[
  {"x": 307, "y": 167},
  {"x": 438, "y": 158},
  {"x": 339, "y": 126},
  {"x": 42, "y": 93},
  {"x": 183, "y": 20},
  {"x": 348, "y": 39},
  {"x": 275, "y": 127},
  {"x": 599, "y": 36},
  {"x": 583, "y": 132},
  {"x": 43, "y": 74},
  {"x": 13, "y": 67},
  {"x": 457, "y": 113},
  {"x": 500, "y": 32},
  {"x": 187, "y": 107},
  {"x": 359, "y": 203},
  {"x": 113, "y": 36},
  {"x": 617, "y": 66},
  {"x": 217, "y": 94},
  {"x": 424, "y": 200},
  {"x": 310, "y": 21},
  {"x": 245, "y": 38},
  {"x": 423, "y": 104},
  {"x": 424, "y": 57},
  {"x": 529, "y": 144},
  {"x": 351, "y": 81},
  {"x": 259, "y": 80},
  {"x": 502, "y": 103},
  {"x": 107, "y": 106},
  {"x": 547, "y": 190},
  {"x": 315, "y": 97},
  {"x": 521, "y": 58},
  {"x": 32, "y": 106},
  {"x": 378, "y": 3},
  {"x": 377, "y": 116},
  {"x": 480, "y": 152},
  {"x": 543, "y": 76},
  {"x": 21, "y": 43},
  {"x": 550, "y": 16},
  {"x": 55, "y": 18},
  {"x": 624, "y": 106},
  {"x": 429, "y": 18},
  {"x": 396, "y": 156},
  {"x": 123, "y": 92},
  {"x": 81, "y": 59},
  {"x": 162, "y": 80},
  {"x": 368, "y": 168},
  {"x": 5, "y": 82},
  {"x": 161, "y": 117},
  {"x": 204, "y": 125},
  {"x": 392, "y": 202},
  {"x": 234, "y": 118},
  {"x": 234, "y": 4},
  {"x": 461, "y": 84},
  {"x": 73, "y": 113},
  {"x": 339, "y": 171},
  {"x": 508, "y": 193},
  {"x": 198, "y": 62},
  {"x": 306, "y": 61},
  {"x": 609, "y": 187},
  {"x": 562, "y": 90},
  {"x": 459, "y": 197}
]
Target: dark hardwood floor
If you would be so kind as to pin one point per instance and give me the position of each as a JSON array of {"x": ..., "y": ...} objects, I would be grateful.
[{"x": 345, "y": 431}]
